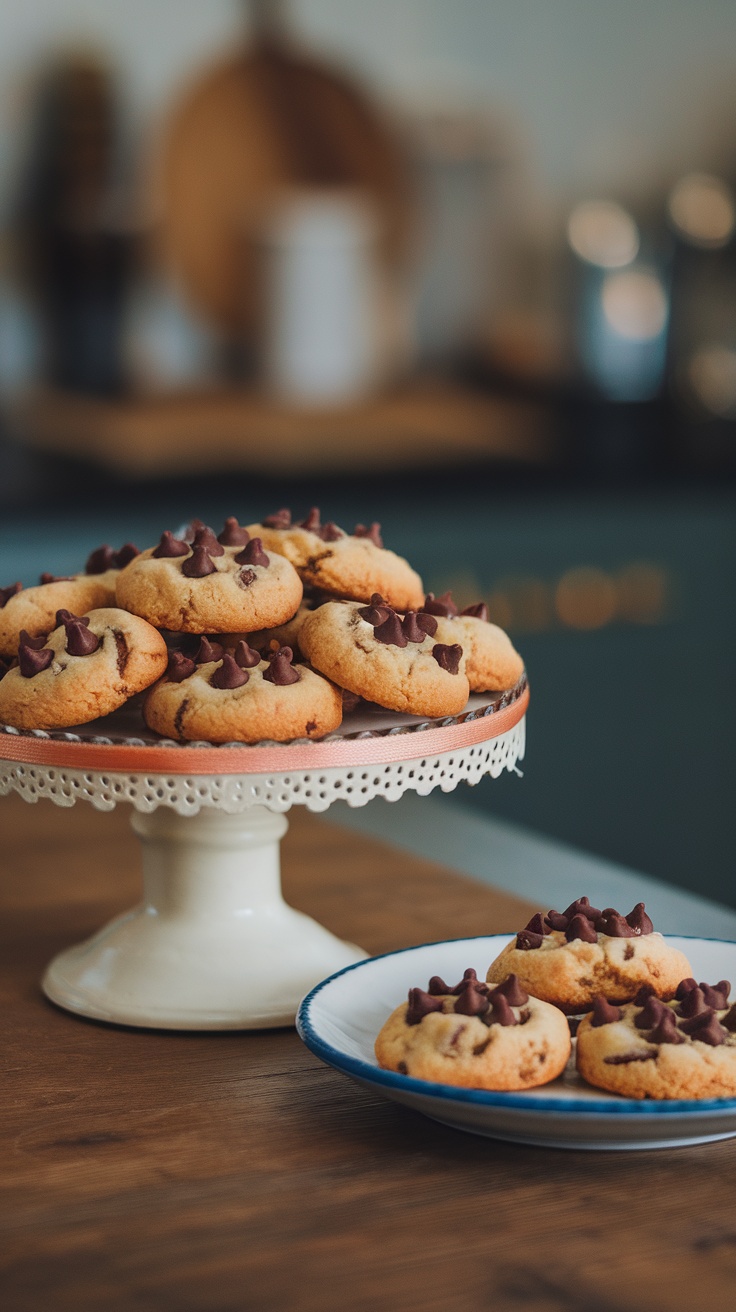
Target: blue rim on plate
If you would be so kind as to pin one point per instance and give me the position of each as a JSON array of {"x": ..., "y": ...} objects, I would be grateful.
[{"x": 364, "y": 1070}]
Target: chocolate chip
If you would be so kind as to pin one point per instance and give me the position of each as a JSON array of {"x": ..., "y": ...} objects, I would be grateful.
[
  {"x": 604, "y": 1013},
  {"x": 192, "y": 529},
  {"x": 402, "y": 1068},
  {"x": 199, "y": 564},
  {"x": 179, "y": 718},
  {"x": 329, "y": 532},
  {"x": 55, "y": 578},
  {"x": 556, "y": 920},
  {"x": 373, "y": 532},
  {"x": 390, "y": 631},
  {"x": 280, "y": 670},
  {"x": 438, "y": 986},
  {"x": 684, "y": 987},
  {"x": 611, "y": 923},
  {"x": 253, "y": 554},
  {"x": 7, "y": 593},
  {"x": 582, "y": 928},
  {"x": 33, "y": 660},
  {"x": 527, "y": 941},
  {"x": 477, "y": 612},
  {"x": 639, "y": 921},
  {"x": 101, "y": 560},
  {"x": 204, "y": 537},
  {"x": 536, "y": 924},
  {"x": 246, "y": 577},
  {"x": 443, "y": 605},
  {"x": 180, "y": 667},
  {"x": 651, "y": 1013},
  {"x": 645, "y": 991},
  {"x": 448, "y": 656},
  {"x": 246, "y": 657},
  {"x": 512, "y": 991},
  {"x": 666, "y": 1030},
  {"x": 169, "y": 547},
  {"x": 716, "y": 995},
  {"x": 123, "y": 650},
  {"x": 581, "y": 907},
  {"x": 469, "y": 980},
  {"x": 126, "y": 553},
  {"x": 312, "y": 522},
  {"x": 228, "y": 674},
  {"x": 693, "y": 1003},
  {"x": 376, "y": 612},
  {"x": 421, "y": 1004},
  {"x": 79, "y": 640},
  {"x": 35, "y": 644},
  {"x": 729, "y": 1020},
  {"x": 427, "y": 623},
  {"x": 472, "y": 1002},
  {"x": 208, "y": 651},
  {"x": 705, "y": 1029},
  {"x": 500, "y": 1012},
  {"x": 280, "y": 519},
  {"x": 232, "y": 534},
  {"x": 412, "y": 631}
]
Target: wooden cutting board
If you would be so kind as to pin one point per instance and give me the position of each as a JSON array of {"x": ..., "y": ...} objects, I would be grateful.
[{"x": 267, "y": 119}]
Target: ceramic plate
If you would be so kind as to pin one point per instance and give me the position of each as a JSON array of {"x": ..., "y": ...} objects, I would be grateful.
[{"x": 341, "y": 1017}]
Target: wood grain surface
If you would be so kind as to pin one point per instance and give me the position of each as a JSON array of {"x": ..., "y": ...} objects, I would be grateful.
[{"x": 209, "y": 1173}]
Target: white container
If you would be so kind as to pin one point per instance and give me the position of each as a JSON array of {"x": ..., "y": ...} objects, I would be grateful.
[{"x": 322, "y": 294}]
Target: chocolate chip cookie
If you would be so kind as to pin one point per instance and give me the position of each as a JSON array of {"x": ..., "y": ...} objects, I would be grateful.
[
  {"x": 475, "y": 1036},
  {"x": 685, "y": 1048},
  {"x": 491, "y": 661},
  {"x": 86, "y": 667},
  {"x": 223, "y": 696},
  {"x": 568, "y": 957},
  {"x": 34, "y": 609},
  {"x": 352, "y": 565},
  {"x": 227, "y": 583},
  {"x": 387, "y": 658}
]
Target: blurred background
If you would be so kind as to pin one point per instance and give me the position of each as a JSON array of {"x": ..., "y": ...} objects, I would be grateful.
[{"x": 468, "y": 269}]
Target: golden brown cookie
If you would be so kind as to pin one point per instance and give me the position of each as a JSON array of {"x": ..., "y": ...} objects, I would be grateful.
[
  {"x": 491, "y": 660},
  {"x": 475, "y": 1037},
  {"x": 34, "y": 609},
  {"x": 394, "y": 661},
  {"x": 213, "y": 585},
  {"x": 568, "y": 957},
  {"x": 238, "y": 697},
  {"x": 352, "y": 565},
  {"x": 87, "y": 667},
  {"x": 652, "y": 1049}
]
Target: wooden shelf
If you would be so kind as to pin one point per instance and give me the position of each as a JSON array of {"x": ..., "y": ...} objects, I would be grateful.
[{"x": 426, "y": 423}]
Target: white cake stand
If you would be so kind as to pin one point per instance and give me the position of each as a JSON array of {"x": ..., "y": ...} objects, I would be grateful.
[{"x": 213, "y": 945}]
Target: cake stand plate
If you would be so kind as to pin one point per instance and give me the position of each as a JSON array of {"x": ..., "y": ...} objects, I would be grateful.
[{"x": 213, "y": 945}]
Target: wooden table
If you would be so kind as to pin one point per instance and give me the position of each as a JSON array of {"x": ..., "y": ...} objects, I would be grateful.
[{"x": 210, "y": 1173}]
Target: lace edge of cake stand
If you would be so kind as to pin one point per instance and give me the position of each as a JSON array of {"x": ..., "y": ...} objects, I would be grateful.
[{"x": 315, "y": 789}]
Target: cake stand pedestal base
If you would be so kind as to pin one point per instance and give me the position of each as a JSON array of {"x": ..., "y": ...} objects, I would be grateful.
[{"x": 213, "y": 945}]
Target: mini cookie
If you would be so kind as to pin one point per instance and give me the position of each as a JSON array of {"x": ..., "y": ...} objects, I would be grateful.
[
  {"x": 352, "y": 565},
  {"x": 215, "y": 585},
  {"x": 570, "y": 956},
  {"x": 34, "y": 609},
  {"x": 653, "y": 1049},
  {"x": 395, "y": 662},
  {"x": 492, "y": 662},
  {"x": 223, "y": 697},
  {"x": 475, "y": 1037},
  {"x": 88, "y": 666}
]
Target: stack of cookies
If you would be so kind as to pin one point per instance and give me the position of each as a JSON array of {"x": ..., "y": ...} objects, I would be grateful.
[
  {"x": 645, "y": 1028},
  {"x": 266, "y": 631}
]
